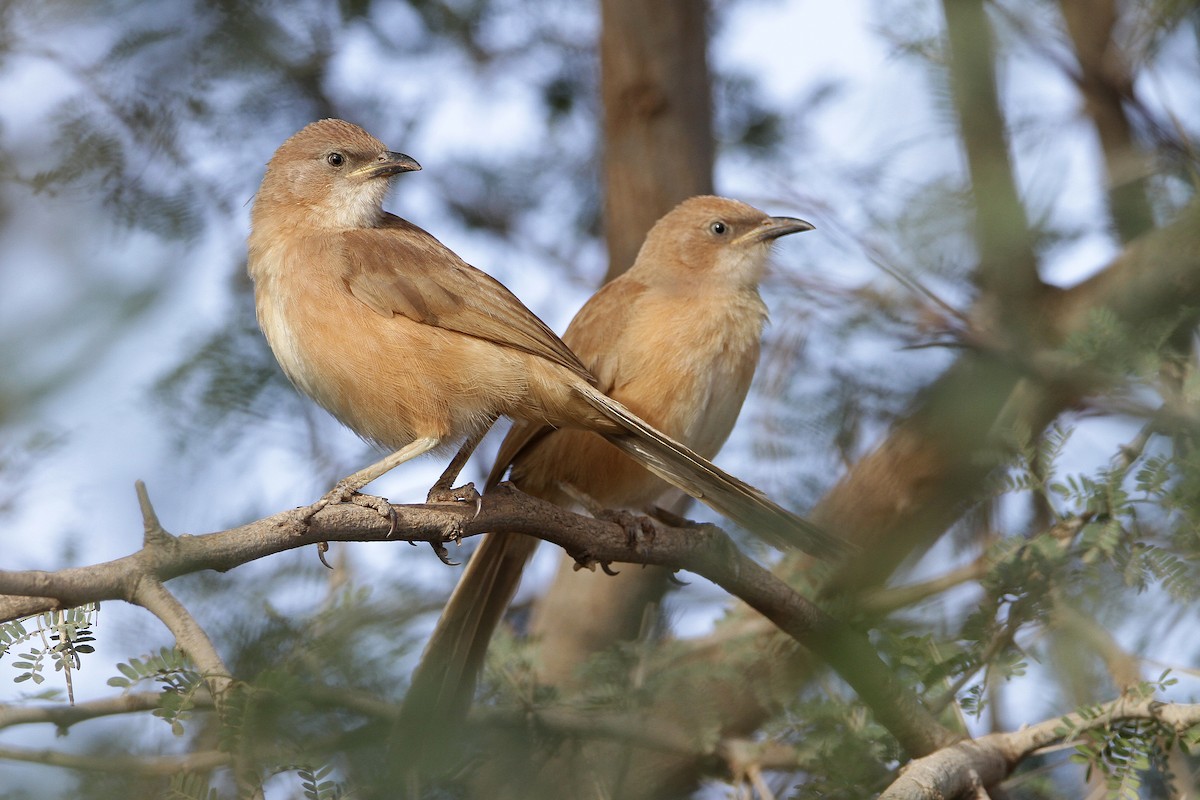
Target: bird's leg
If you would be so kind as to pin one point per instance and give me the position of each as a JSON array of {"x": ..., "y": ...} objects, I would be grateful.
[
  {"x": 442, "y": 490},
  {"x": 346, "y": 490},
  {"x": 635, "y": 525},
  {"x": 582, "y": 498},
  {"x": 668, "y": 517}
]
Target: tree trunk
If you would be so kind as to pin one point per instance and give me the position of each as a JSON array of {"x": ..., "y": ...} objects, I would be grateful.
[{"x": 659, "y": 151}]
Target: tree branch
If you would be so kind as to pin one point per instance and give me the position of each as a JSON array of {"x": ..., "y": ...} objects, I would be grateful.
[
  {"x": 189, "y": 636},
  {"x": 884, "y": 601},
  {"x": 912, "y": 487},
  {"x": 704, "y": 550},
  {"x": 1104, "y": 81},
  {"x": 958, "y": 769},
  {"x": 1008, "y": 268},
  {"x": 125, "y": 765},
  {"x": 63, "y": 715},
  {"x": 163, "y": 558}
]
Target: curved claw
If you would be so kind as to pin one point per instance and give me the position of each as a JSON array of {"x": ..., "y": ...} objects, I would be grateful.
[
  {"x": 443, "y": 554},
  {"x": 322, "y": 549},
  {"x": 608, "y": 570},
  {"x": 673, "y": 578}
]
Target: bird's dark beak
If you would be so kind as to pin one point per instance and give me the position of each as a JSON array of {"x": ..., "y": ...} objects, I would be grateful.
[
  {"x": 389, "y": 164},
  {"x": 774, "y": 227}
]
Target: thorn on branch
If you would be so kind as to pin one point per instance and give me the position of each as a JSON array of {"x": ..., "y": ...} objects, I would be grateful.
[{"x": 154, "y": 532}]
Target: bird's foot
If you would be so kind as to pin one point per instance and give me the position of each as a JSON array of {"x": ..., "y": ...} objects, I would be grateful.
[
  {"x": 347, "y": 493},
  {"x": 440, "y": 495},
  {"x": 636, "y": 526},
  {"x": 444, "y": 495}
]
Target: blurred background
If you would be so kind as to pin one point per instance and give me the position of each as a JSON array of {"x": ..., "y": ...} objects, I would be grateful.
[{"x": 133, "y": 135}]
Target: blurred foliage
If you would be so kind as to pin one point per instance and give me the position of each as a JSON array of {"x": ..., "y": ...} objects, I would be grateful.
[{"x": 175, "y": 107}]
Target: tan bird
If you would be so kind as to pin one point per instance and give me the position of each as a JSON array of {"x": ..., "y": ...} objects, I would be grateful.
[
  {"x": 675, "y": 339},
  {"x": 413, "y": 348}
]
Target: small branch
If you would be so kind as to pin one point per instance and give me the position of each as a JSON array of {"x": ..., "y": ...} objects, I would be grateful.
[
  {"x": 191, "y": 638},
  {"x": 623, "y": 726},
  {"x": 885, "y": 601},
  {"x": 1129, "y": 453},
  {"x": 742, "y": 754},
  {"x": 63, "y": 715},
  {"x": 961, "y": 768},
  {"x": 129, "y": 765},
  {"x": 29, "y": 592},
  {"x": 1123, "y": 667},
  {"x": 1002, "y": 639},
  {"x": 1104, "y": 81},
  {"x": 628, "y": 726},
  {"x": 1008, "y": 266}
]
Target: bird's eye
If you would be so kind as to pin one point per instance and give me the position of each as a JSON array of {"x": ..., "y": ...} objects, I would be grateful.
[
  {"x": 335, "y": 159},
  {"x": 719, "y": 228}
]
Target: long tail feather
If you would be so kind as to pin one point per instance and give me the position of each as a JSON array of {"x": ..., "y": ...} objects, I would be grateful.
[
  {"x": 695, "y": 475},
  {"x": 444, "y": 681}
]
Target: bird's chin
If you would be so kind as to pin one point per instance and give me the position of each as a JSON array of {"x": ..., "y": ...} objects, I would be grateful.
[{"x": 357, "y": 206}]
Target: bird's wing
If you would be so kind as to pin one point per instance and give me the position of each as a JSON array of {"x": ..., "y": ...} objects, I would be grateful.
[
  {"x": 602, "y": 319},
  {"x": 398, "y": 268},
  {"x": 594, "y": 334}
]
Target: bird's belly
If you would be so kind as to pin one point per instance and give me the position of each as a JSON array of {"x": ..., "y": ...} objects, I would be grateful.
[
  {"x": 719, "y": 392},
  {"x": 389, "y": 379}
]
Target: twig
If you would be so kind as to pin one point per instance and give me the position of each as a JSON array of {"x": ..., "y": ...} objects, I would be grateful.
[
  {"x": 985, "y": 761},
  {"x": 137, "y": 765},
  {"x": 885, "y": 601},
  {"x": 63, "y": 715},
  {"x": 191, "y": 638}
]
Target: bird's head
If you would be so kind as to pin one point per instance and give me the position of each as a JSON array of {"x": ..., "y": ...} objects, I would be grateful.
[
  {"x": 715, "y": 238},
  {"x": 331, "y": 174}
]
